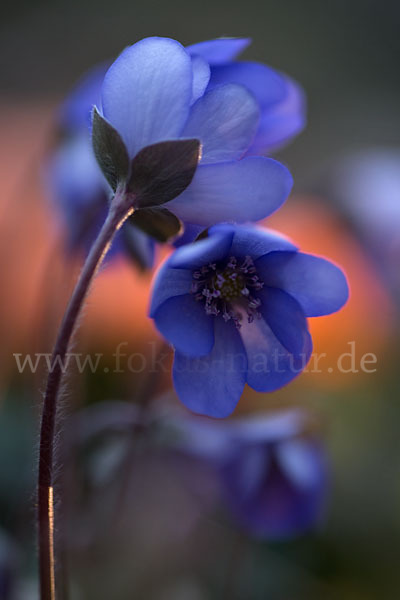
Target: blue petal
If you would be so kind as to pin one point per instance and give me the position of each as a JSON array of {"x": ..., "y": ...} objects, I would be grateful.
[
  {"x": 303, "y": 466},
  {"x": 167, "y": 284},
  {"x": 201, "y": 253},
  {"x": 248, "y": 469},
  {"x": 138, "y": 245},
  {"x": 212, "y": 385},
  {"x": 267, "y": 427},
  {"x": 184, "y": 323},
  {"x": 189, "y": 234},
  {"x": 271, "y": 365},
  {"x": 301, "y": 462},
  {"x": 281, "y": 122},
  {"x": 147, "y": 91},
  {"x": 241, "y": 191},
  {"x": 75, "y": 175},
  {"x": 219, "y": 51},
  {"x": 267, "y": 86},
  {"x": 78, "y": 190},
  {"x": 201, "y": 77},
  {"x": 286, "y": 319},
  {"x": 225, "y": 120},
  {"x": 254, "y": 241},
  {"x": 318, "y": 285},
  {"x": 278, "y": 505},
  {"x": 75, "y": 112}
]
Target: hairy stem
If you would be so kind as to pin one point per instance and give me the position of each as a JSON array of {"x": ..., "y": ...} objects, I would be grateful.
[{"x": 120, "y": 209}]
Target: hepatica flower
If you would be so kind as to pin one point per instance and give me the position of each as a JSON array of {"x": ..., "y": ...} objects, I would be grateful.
[
  {"x": 281, "y": 100},
  {"x": 261, "y": 110},
  {"x": 366, "y": 187},
  {"x": 81, "y": 196},
  {"x": 275, "y": 478},
  {"x": 159, "y": 120},
  {"x": 77, "y": 185},
  {"x": 273, "y": 470},
  {"x": 235, "y": 308}
]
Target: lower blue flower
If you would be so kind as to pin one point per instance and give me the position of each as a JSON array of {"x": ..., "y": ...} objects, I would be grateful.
[
  {"x": 272, "y": 469},
  {"x": 275, "y": 486},
  {"x": 235, "y": 308}
]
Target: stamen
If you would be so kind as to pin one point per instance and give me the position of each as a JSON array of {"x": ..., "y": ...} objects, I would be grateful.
[{"x": 225, "y": 289}]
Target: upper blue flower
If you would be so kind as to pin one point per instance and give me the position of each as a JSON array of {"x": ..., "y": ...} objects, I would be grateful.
[
  {"x": 235, "y": 108},
  {"x": 157, "y": 90},
  {"x": 281, "y": 100},
  {"x": 272, "y": 468},
  {"x": 235, "y": 307}
]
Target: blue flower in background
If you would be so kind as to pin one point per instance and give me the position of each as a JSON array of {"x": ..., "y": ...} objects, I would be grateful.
[
  {"x": 74, "y": 114},
  {"x": 80, "y": 194},
  {"x": 366, "y": 187},
  {"x": 76, "y": 184},
  {"x": 273, "y": 472},
  {"x": 235, "y": 308},
  {"x": 275, "y": 479}
]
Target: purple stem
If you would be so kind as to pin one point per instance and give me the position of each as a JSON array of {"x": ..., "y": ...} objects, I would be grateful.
[{"x": 120, "y": 210}]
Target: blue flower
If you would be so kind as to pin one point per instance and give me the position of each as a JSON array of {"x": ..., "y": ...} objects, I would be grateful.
[
  {"x": 78, "y": 188},
  {"x": 228, "y": 107},
  {"x": 273, "y": 471},
  {"x": 157, "y": 91},
  {"x": 235, "y": 308},
  {"x": 74, "y": 114},
  {"x": 281, "y": 100},
  {"x": 366, "y": 188},
  {"x": 80, "y": 194}
]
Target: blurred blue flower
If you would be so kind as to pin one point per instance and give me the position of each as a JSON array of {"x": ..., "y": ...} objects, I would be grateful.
[
  {"x": 78, "y": 188},
  {"x": 366, "y": 187},
  {"x": 272, "y": 469},
  {"x": 74, "y": 114},
  {"x": 235, "y": 308},
  {"x": 80, "y": 194}
]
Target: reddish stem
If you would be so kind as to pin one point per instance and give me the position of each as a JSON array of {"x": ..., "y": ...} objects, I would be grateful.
[{"x": 119, "y": 211}]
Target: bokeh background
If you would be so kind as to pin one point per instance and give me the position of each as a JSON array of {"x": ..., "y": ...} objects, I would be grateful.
[{"x": 346, "y": 55}]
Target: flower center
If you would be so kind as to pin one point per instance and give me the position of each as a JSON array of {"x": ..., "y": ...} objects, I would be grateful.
[
  {"x": 227, "y": 290},
  {"x": 229, "y": 283}
]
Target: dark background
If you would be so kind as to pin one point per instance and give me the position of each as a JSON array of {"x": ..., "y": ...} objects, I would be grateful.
[{"x": 345, "y": 53}]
